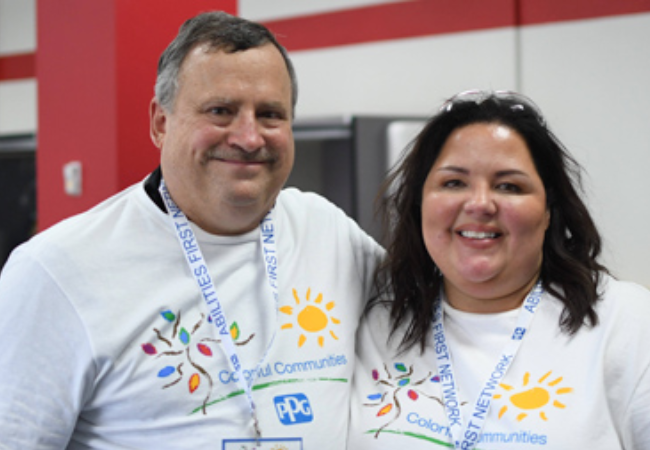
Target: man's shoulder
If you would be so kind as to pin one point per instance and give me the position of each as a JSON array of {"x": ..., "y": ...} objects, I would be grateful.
[
  {"x": 310, "y": 206},
  {"x": 309, "y": 212},
  {"x": 295, "y": 196},
  {"x": 91, "y": 222}
]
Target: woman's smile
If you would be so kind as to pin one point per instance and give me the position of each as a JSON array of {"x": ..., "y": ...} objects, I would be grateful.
[{"x": 484, "y": 214}]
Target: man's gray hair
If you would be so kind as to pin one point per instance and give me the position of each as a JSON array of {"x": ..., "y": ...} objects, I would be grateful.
[{"x": 219, "y": 31}]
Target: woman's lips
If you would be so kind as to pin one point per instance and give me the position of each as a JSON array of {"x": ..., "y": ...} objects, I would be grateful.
[{"x": 478, "y": 234}]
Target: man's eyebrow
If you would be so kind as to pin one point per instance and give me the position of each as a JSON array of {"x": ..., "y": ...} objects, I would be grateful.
[{"x": 274, "y": 104}]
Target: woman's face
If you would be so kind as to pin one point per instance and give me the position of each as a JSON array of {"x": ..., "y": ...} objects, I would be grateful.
[{"x": 484, "y": 217}]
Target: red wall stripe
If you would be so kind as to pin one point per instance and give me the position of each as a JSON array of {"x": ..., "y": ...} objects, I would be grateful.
[
  {"x": 544, "y": 11},
  {"x": 391, "y": 21},
  {"x": 16, "y": 67},
  {"x": 403, "y": 20},
  {"x": 432, "y": 17}
]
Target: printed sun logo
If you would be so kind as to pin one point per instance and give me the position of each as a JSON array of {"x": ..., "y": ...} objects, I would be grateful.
[
  {"x": 535, "y": 398},
  {"x": 180, "y": 346},
  {"x": 312, "y": 317},
  {"x": 388, "y": 401}
]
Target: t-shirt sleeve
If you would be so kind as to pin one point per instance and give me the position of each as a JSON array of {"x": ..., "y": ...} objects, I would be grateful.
[{"x": 45, "y": 362}]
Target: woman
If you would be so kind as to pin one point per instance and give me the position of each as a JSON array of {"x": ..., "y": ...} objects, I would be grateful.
[{"x": 497, "y": 327}]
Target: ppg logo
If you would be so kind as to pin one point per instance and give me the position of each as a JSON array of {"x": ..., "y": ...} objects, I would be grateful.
[{"x": 293, "y": 409}]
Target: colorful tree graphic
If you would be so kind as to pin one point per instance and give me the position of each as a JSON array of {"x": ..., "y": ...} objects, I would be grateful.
[
  {"x": 179, "y": 345},
  {"x": 388, "y": 401}
]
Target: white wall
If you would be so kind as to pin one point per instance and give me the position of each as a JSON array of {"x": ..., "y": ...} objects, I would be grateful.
[
  {"x": 18, "y": 104},
  {"x": 282, "y": 9},
  {"x": 18, "y": 107},
  {"x": 17, "y": 26},
  {"x": 592, "y": 79},
  {"x": 406, "y": 76}
]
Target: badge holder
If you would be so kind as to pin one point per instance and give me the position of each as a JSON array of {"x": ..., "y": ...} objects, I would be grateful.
[{"x": 263, "y": 444}]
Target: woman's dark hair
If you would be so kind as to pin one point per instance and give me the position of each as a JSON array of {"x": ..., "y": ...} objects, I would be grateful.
[{"x": 410, "y": 279}]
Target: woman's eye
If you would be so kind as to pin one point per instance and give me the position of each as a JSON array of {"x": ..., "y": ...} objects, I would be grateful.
[
  {"x": 453, "y": 184},
  {"x": 508, "y": 187}
]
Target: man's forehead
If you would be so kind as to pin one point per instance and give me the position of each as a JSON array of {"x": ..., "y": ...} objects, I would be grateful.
[
  {"x": 202, "y": 50},
  {"x": 217, "y": 70}
]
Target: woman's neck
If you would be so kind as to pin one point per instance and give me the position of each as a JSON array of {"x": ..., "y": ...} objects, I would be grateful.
[{"x": 487, "y": 302}]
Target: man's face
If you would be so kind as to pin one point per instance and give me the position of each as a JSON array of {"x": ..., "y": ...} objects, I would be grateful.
[{"x": 226, "y": 145}]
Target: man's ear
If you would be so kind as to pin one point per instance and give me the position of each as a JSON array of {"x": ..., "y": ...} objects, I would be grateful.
[{"x": 157, "y": 123}]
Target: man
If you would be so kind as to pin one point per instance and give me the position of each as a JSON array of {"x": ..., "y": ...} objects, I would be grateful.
[{"x": 204, "y": 307}]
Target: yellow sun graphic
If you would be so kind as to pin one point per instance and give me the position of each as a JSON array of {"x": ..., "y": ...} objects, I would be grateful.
[
  {"x": 312, "y": 317},
  {"x": 535, "y": 397}
]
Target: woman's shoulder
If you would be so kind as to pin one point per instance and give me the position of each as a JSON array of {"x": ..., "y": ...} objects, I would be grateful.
[
  {"x": 618, "y": 299},
  {"x": 627, "y": 297},
  {"x": 623, "y": 311}
]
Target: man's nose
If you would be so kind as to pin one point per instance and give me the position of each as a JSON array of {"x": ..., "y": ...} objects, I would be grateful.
[{"x": 245, "y": 133}]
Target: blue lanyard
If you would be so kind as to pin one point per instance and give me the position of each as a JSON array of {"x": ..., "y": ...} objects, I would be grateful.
[
  {"x": 466, "y": 437},
  {"x": 199, "y": 271}
]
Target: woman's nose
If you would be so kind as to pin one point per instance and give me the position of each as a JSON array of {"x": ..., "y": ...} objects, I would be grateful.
[{"x": 481, "y": 201}]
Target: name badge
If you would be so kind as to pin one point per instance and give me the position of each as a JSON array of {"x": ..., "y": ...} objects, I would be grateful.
[{"x": 263, "y": 444}]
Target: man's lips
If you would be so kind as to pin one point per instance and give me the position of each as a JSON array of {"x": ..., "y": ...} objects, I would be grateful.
[
  {"x": 262, "y": 156},
  {"x": 242, "y": 162}
]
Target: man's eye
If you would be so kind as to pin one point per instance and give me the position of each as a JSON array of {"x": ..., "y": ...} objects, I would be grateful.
[
  {"x": 271, "y": 115},
  {"x": 219, "y": 111}
]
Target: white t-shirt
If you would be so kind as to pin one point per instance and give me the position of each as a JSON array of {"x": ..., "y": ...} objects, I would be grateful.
[
  {"x": 107, "y": 342},
  {"x": 590, "y": 390}
]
